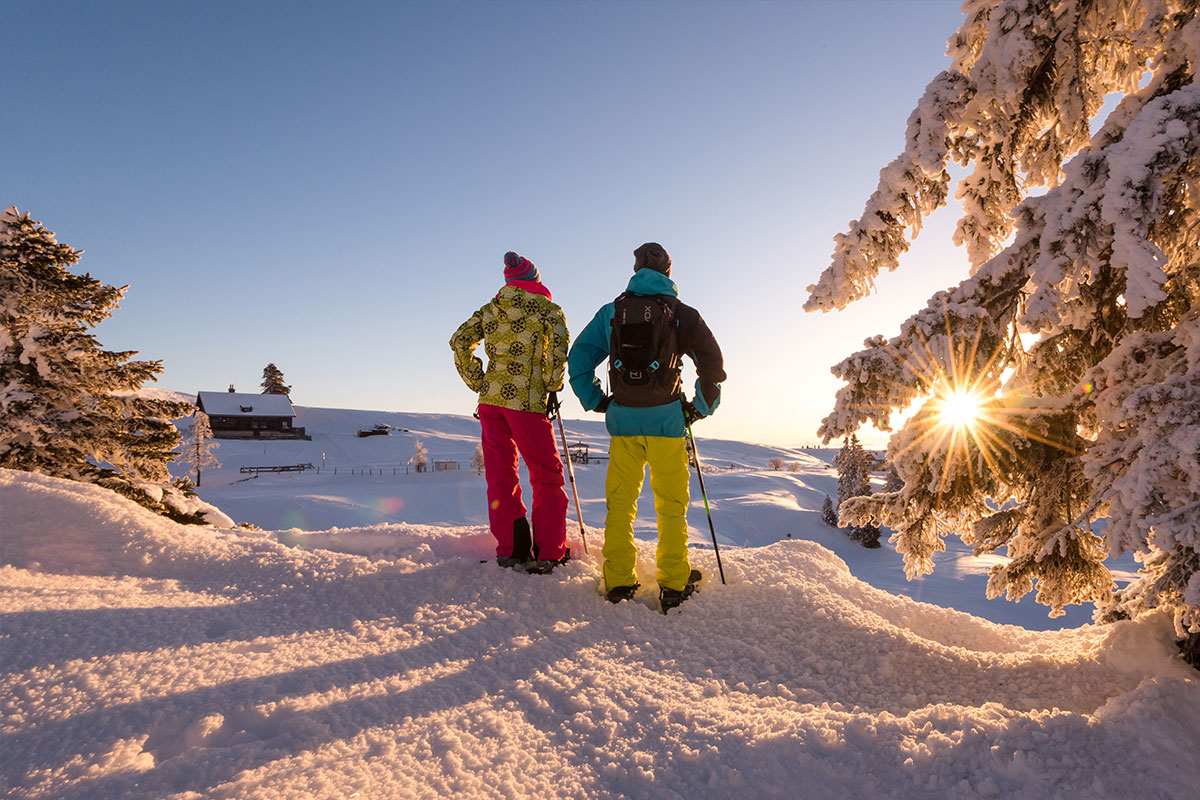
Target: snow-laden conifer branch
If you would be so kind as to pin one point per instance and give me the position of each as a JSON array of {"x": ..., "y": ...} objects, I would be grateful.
[
  {"x": 1081, "y": 333},
  {"x": 910, "y": 188},
  {"x": 1027, "y": 77}
]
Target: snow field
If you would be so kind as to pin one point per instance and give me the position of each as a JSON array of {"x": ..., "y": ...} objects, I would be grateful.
[{"x": 197, "y": 662}]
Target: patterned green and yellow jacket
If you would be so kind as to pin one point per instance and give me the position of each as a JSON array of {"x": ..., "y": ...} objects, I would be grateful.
[{"x": 525, "y": 337}]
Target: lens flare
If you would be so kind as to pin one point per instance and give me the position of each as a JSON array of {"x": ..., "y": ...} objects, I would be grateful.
[
  {"x": 970, "y": 413},
  {"x": 961, "y": 409},
  {"x": 389, "y": 505}
]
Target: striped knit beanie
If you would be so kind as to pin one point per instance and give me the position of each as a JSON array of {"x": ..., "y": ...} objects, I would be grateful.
[{"x": 519, "y": 268}]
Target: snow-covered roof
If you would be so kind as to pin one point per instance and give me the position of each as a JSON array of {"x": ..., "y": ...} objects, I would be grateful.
[{"x": 240, "y": 404}]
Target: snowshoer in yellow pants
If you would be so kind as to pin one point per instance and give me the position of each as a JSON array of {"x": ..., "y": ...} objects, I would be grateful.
[
  {"x": 668, "y": 460},
  {"x": 644, "y": 334}
]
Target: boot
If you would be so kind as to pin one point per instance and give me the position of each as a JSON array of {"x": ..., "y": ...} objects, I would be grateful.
[
  {"x": 619, "y": 593},
  {"x": 671, "y": 598},
  {"x": 522, "y": 540}
]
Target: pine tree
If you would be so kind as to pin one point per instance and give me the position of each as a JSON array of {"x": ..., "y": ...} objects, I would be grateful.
[
  {"x": 1079, "y": 327},
  {"x": 853, "y": 465},
  {"x": 477, "y": 460},
  {"x": 892, "y": 481},
  {"x": 67, "y": 407},
  {"x": 849, "y": 468},
  {"x": 828, "y": 513},
  {"x": 272, "y": 381},
  {"x": 198, "y": 446},
  {"x": 420, "y": 457}
]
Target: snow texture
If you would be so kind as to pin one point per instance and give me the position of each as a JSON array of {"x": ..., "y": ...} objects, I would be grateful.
[{"x": 144, "y": 659}]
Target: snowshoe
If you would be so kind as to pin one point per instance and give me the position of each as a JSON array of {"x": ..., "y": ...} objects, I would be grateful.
[
  {"x": 619, "y": 593},
  {"x": 510, "y": 562},
  {"x": 671, "y": 598},
  {"x": 545, "y": 567}
]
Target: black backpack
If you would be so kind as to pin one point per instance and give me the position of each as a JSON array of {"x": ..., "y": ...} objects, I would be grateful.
[{"x": 643, "y": 353}]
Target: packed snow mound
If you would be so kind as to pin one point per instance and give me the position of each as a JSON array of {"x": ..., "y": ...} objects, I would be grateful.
[
  {"x": 400, "y": 661},
  {"x": 54, "y": 525}
]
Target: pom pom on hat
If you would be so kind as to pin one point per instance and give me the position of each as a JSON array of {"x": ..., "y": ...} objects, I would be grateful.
[
  {"x": 519, "y": 268},
  {"x": 651, "y": 255}
]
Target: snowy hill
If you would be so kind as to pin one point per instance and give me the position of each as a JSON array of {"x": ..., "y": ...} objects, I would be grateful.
[
  {"x": 145, "y": 659},
  {"x": 377, "y": 651},
  {"x": 362, "y": 481}
]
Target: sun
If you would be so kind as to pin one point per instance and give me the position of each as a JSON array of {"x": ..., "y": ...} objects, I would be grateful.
[{"x": 961, "y": 409}]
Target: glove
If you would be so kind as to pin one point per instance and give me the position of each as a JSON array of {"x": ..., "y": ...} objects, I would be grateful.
[
  {"x": 690, "y": 412},
  {"x": 552, "y": 405},
  {"x": 603, "y": 405}
]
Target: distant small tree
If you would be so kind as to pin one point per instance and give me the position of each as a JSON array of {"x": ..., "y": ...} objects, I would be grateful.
[
  {"x": 198, "y": 446},
  {"x": 477, "y": 459},
  {"x": 866, "y": 535},
  {"x": 829, "y": 513},
  {"x": 893, "y": 482},
  {"x": 67, "y": 407},
  {"x": 272, "y": 381},
  {"x": 795, "y": 466},
  {"x": 853, "y": 465},
  {"x": 775, "y": 462},
  {"x": 850, "y": 465},
  {"x": 420, "y": 457}
]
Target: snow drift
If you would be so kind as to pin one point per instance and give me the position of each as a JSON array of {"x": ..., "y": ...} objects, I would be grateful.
[{"x": 146, "y": 659}]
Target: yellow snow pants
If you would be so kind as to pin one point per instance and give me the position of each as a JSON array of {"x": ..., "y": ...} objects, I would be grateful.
[{"x": 668, "y": 460}]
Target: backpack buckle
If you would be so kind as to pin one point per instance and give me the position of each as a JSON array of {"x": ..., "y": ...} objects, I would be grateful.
[{"x": 654, "y": 366}]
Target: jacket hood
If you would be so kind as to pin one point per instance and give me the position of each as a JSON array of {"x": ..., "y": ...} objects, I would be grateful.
[{"x": 647, "y": 281}]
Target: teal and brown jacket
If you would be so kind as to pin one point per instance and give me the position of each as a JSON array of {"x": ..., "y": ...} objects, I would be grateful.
[
  {"x": 525, "y": 338},
  {"x": 696, "y": 342}
]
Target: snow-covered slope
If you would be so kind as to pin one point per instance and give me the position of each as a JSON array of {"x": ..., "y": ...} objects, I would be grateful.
[
  {"x": 146, "y": 659},
  {"x": 362, "y": 481}
]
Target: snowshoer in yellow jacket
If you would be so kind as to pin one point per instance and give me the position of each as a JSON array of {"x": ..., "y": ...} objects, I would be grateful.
[{"x": 525, "y": 338}]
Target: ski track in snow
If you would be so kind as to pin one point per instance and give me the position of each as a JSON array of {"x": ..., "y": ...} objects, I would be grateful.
[{"x": 143, "y": 659}]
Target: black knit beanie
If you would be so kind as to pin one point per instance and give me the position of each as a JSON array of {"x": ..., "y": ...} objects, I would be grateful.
[{"x": 651, "y": 255}]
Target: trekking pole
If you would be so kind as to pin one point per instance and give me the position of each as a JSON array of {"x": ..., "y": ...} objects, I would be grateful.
[
  {"x": 700, "y": 475},
  {"x": 570, "y": 473}
]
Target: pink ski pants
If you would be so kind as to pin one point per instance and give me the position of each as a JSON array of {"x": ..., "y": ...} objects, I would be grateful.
[{"x": 505, "y": 434}]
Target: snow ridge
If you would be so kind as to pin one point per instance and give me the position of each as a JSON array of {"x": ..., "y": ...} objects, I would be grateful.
[{"x": 388, "y": 660}]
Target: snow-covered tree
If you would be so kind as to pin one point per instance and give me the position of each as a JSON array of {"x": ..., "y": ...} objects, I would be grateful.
[
  {"x": 829, "y": 513},
  {"x": 272, "y": 381},
  {"x": 420, "y": 457},
  {"x": 1078, "y": 330},
  {"x": 892, "y": 482},
  {"x": 67, "y": 407},
  {"x": 775, "y": 462},
  {"x": 198, "y": 445},
  {"x": 477, "y": 460},
  {"x": 853, "y": 465}
]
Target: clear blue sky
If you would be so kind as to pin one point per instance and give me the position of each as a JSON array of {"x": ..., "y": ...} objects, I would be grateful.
[{"x": 331, "y": 186}]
